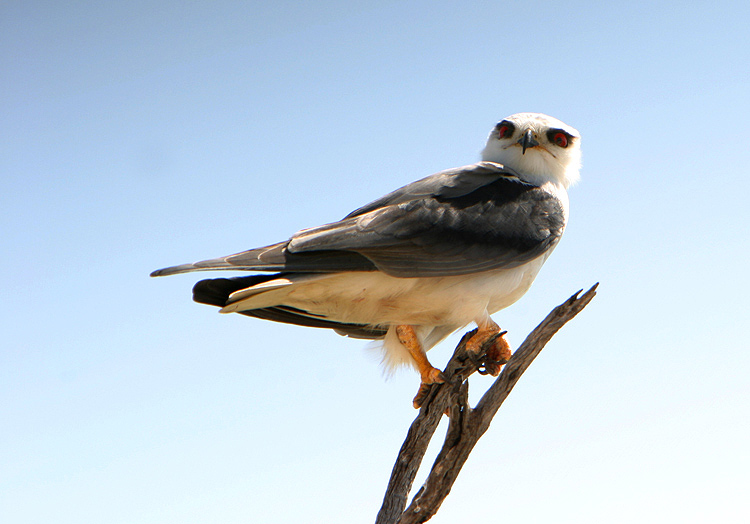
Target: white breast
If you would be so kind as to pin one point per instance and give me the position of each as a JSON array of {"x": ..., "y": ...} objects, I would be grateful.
[{"x": 374, "y": 298}]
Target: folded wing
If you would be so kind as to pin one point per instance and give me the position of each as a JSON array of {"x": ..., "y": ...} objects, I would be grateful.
[{"x": 475, "y": 218}]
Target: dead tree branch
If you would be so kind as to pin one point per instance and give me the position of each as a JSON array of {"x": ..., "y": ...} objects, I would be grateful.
[{"x": 466, "y": 425}]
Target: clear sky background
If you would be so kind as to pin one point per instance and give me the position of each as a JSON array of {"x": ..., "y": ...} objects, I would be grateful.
[{"x": 136, "y": 135}]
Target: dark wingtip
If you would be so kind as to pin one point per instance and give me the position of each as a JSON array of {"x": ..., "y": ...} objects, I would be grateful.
[
  {"x": 216, "y": 291},
  {"x": 213, "y": 292},
  {"x": 174, "y": 270}
]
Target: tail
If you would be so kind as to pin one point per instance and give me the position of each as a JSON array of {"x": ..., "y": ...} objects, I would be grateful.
[{"x": 268, "y": 258}]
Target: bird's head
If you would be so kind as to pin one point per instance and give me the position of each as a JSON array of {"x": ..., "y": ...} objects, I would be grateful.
[{"x": 537, "y": 147}]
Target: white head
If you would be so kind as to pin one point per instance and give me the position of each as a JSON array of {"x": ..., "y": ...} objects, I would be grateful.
[{"x": 537, "y": 147}]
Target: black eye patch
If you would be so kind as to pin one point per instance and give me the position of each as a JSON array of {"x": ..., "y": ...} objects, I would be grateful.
[
  {"x": 505, "y": 129},
  {"x": 559, "y": 137}
]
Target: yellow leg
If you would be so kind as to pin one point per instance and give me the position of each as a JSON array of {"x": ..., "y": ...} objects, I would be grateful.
[{"x": 428, "y": 373}]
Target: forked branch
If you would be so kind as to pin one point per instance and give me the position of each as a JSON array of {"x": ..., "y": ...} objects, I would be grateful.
[{"x": 466, "y": 425}]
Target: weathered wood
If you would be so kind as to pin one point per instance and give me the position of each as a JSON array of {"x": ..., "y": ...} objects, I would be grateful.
[
  {"x": 466, "y": 425},
  {"x": 420, "y": 433}
]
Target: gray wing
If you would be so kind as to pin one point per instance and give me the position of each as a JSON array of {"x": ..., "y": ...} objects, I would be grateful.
[
  {"x": 448, "y": 184},
  {"x": 470, "y": 219},
  {"x": 277, "y": 257}
]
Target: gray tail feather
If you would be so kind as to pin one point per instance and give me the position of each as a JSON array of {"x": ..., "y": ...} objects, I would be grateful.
[
  {"x": 174, "y": 270},
  {"x": 205, "y": 265}
]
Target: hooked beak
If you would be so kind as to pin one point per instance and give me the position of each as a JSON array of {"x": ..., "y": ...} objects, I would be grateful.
[{"x": 527, "y": 140}]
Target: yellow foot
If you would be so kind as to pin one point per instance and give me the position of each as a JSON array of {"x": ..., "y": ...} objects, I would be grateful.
[
  {"x": 419, "y": 399},
  {"x": 433, "y": 376},
  {"x": 497, "y": 356},
  {"x": 499, "y": 352},
  {"x": 475, "y": 343}
]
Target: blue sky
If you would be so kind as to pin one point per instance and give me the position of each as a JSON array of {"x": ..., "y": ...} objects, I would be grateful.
[{"x": 137, "y": 135}]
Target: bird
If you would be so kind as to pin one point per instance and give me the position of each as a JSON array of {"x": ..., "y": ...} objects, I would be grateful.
[{"x": 423, "y": 261}]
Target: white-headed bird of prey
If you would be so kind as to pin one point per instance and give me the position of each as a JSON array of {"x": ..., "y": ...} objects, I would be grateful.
[{"x": 423, "y": 261}]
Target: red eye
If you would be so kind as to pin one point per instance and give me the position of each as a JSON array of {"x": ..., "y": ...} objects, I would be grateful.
[
  {"x": 561, "y": 139},
  {"x": 504, "y": 132}
]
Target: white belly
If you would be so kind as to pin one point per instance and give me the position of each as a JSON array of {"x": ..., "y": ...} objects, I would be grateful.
[
  {"x": 435, "y": 306},
  {"x": 374, "y": 298}
]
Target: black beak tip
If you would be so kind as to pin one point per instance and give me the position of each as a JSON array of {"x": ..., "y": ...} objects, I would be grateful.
[{"x": 527, "y": 140}]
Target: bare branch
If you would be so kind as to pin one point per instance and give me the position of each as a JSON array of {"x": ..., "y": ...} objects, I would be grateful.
[{"x": 466, "y": 425}]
